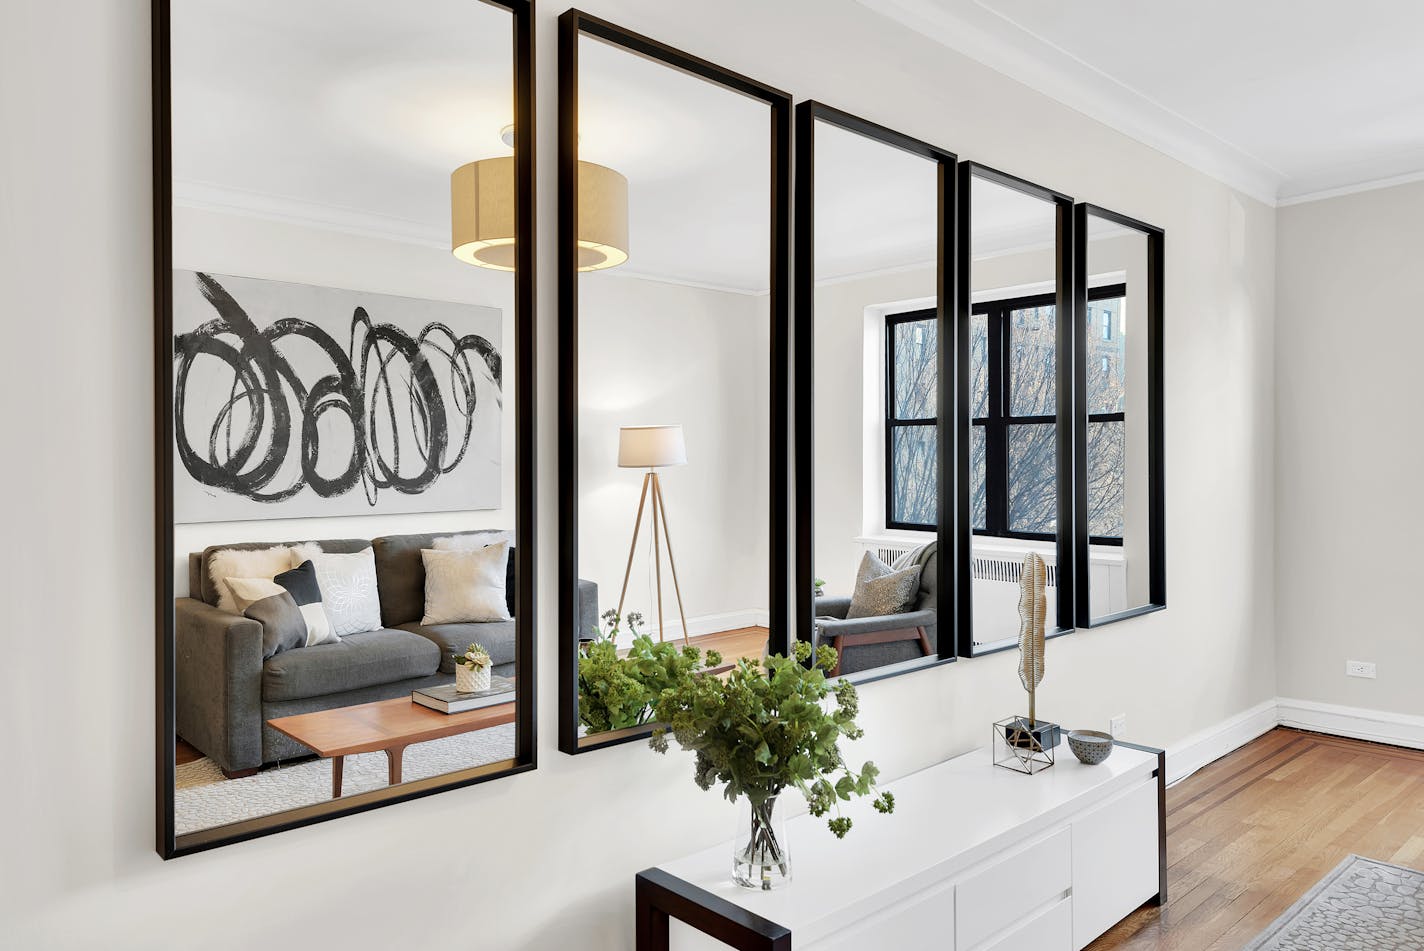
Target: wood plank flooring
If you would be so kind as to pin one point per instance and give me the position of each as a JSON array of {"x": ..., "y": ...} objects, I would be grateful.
[{"x": 1252, "y": 832}]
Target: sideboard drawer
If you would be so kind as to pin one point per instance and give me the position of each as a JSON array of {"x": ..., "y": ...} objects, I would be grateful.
[
  {"x": 996, "y": 897},
  {"x": 1050, "y": 931}
]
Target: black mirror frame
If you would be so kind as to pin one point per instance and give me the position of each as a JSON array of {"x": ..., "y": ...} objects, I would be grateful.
[
  {"x": 1156, "y": 467},
  {"x": 1064, "y": 409},
  {"x": 574, "y": 23},
  {"x": 167, "y": 844},
  {"x": 807, "y": 114}
]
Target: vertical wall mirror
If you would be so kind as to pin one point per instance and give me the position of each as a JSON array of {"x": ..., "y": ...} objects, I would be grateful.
[
  {"x": 1120, "y": 552},
  {"x": 874, "y": 282},
  {"x": 674, "y": 248},
  {"x": 344, "y": 226},
  {"x": 1015, "y": 437}
]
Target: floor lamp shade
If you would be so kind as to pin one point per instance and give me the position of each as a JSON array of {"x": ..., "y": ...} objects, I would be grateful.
[
  {"x": 649, "y": 447},
  {"x": 482, "y": 215}
]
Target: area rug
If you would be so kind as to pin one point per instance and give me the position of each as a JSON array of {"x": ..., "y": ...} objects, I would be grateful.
[
  {"x": 204, "y": 798},
  {"x": 1362, "y": 905}
]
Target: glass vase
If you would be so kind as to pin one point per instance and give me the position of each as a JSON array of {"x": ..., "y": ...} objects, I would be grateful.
[{"x": 759, "y": 855}]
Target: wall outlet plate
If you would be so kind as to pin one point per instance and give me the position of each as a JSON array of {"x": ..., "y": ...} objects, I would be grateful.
[
  {"x": 1360, "y": 668},
  {"x": 1117, "y": 726}
]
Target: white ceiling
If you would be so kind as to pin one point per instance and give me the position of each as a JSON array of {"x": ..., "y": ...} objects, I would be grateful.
[
  {"x": 1285, "y": 99},
  {"x": 352, "y": 117},
  {"x": 309, "y": 113}
]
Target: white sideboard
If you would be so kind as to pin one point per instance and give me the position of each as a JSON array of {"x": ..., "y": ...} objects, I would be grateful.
[{"x": 975, "y": 858}]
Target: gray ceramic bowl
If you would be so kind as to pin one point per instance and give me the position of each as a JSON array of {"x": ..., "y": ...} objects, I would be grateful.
[{"x": 1090, "y": 746}]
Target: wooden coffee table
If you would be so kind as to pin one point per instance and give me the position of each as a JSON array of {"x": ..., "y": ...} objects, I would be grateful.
[{"x": 386, "y": 725}]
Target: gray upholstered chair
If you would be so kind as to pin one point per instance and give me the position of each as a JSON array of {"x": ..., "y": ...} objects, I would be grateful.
[{"x": 867, "y": 642}]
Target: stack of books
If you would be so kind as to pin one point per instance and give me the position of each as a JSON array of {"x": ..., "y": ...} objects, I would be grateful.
[{"x": 447, "y": 699}]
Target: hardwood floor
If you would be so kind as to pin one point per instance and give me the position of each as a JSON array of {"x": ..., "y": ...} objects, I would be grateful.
[
  {"x": 1249, "y": 834},
  {"x": 734, "y": 645}
]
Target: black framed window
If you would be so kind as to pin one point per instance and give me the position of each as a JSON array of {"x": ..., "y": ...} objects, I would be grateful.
[
  {"x": 911, "y": 418},
  {"x": 1013, "y": 401}
]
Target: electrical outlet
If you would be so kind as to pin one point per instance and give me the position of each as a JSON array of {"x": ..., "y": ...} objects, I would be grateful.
[
  {"x": 1117, "y": 726},
  {"x": 1360, "y": 668}
]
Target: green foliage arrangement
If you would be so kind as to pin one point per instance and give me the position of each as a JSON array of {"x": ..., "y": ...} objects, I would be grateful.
[
  {"x": 763, "y": 731},
  {"x": 475, "y": 657},
  {"x": 619, "y": 692}
]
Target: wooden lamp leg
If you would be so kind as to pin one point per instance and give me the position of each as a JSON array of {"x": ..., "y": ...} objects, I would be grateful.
[
  {"x": 657, "y": 553},
  {"x": 677, "y": 589},
  {"x": 633, "y": 546}
]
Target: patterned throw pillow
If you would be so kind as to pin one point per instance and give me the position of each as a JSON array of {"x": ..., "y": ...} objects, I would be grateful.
[
  {"x": 465, "y": 586},
  {"x": 881, "y": 590},
  {"x": 348, "y": 591},
  {"x": 288, "y": 606}
]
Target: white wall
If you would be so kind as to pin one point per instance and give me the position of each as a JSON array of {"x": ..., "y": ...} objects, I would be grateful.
[
  {"x": 653, "y": 353},
  {"x": 206, "y": 240},
  {"x": 1349, "y": 454},
  {"x": 556, "y": 848}
]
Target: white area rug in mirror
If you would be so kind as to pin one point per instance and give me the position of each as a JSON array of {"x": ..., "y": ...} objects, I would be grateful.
[{"x": 203, "y": 798}]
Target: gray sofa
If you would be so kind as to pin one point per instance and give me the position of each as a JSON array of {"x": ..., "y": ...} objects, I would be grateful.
[
  {"x": 869, "y": 642},
  {"x": 226, "y": 692}
]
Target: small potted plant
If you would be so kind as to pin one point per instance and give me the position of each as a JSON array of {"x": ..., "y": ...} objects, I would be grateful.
[
  {"x": 765, "y": 729},
  {"x": 820, "y": 587},
  {"x": 617, "y": 691},
  {"x": 472, "y": 669}
]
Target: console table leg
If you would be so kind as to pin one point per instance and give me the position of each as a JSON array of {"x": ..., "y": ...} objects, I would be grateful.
[
  {"x": 652, "y": 926},
  {"x": 337, "y": 762}
]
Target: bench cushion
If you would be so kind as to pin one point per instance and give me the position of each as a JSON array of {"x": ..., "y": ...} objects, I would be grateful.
[{"x": 358, "y": 660}]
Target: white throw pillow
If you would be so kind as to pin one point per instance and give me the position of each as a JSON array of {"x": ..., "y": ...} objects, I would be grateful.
[
  {"x": 469, "y": 541},
  {"x": 463, "y": 586},
  {"x": 348, "y": 590},
  {"x": 253, "y": 563}
]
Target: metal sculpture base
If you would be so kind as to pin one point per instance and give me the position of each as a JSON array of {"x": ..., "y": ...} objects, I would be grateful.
[{"x": 1025, "y": 747}]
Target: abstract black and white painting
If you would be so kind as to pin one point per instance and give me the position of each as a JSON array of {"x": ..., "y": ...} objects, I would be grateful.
[{"x": 294, "y": 401}]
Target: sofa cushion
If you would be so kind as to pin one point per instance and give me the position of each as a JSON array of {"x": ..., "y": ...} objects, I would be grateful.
[
  {"x": 400, "y": 574},
  {"x": 497, "y": 637},
  {"x": 356, "y": 661}
]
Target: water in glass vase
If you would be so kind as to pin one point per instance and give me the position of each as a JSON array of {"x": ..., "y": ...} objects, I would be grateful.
[{"x": 759, "y": 855}]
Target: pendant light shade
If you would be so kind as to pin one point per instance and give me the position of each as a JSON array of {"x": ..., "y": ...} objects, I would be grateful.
[{"x": 482, "y": 215}]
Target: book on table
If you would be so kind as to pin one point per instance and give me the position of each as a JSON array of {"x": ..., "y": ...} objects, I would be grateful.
[{"x": 446, "y": 699}]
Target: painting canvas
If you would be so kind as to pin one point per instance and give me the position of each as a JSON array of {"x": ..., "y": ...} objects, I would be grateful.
[{"x": 294, "y": 401}]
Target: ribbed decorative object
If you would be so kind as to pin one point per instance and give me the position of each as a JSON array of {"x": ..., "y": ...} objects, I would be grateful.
[
  {"x": 470, "y": 680},
  {"x": 1033, "y": 611}
]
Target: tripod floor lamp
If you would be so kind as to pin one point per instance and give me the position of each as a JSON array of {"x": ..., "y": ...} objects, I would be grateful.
[{"x": 652, "y": 448}]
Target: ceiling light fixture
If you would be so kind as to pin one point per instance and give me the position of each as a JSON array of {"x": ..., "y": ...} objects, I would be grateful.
[{"x": 482, "y": 213}]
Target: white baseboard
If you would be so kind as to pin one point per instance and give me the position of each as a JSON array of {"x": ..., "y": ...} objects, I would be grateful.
[
  {"x": 1205, "y": 746},
  {"x": 1397, "y": 729},
  {"x": 1195, "y": 751}
]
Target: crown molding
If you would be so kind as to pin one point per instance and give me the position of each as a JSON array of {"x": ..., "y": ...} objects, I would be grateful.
[
  {"x": 203, "y": 196},
  {"x": 986, "y": 36},
  {"x": 1368, "y": 186}
]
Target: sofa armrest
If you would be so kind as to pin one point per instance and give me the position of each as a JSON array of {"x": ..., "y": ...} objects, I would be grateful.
[
  {"x": 827, "y": 630},
  {"x": 832, "y": 607},
  {"x": 218, "y": 683},
  {"x": 587, "y": 610}
]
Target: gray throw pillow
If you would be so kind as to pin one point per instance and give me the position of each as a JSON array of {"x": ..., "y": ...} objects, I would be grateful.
[
  {"x": 283, "y": 627},
  {"x": 881, "y": 590}
]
